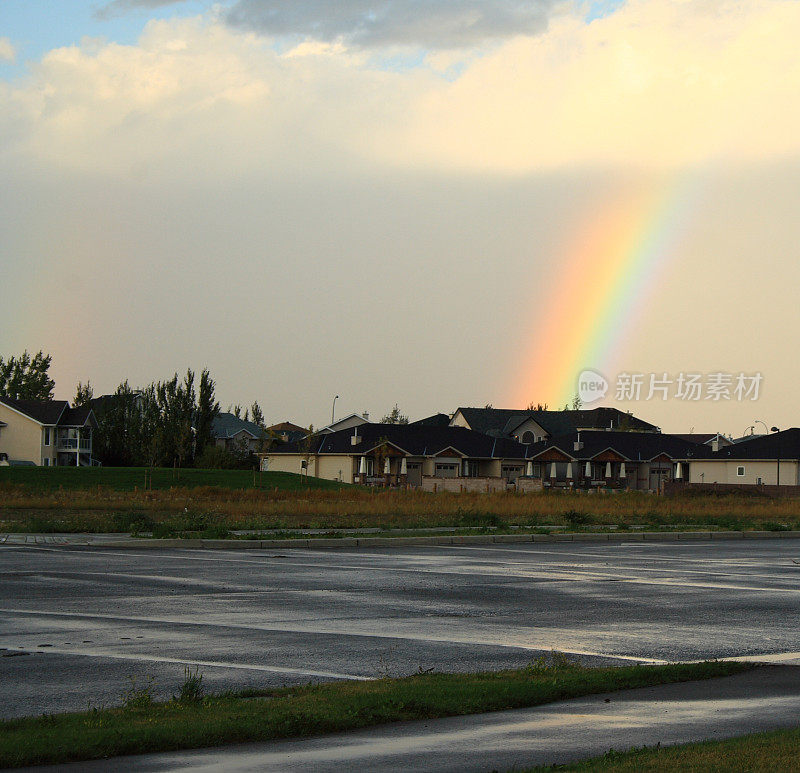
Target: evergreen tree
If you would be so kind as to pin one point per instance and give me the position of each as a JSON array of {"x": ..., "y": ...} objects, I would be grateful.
[
  {"x": 394, "y": 417},
  {"x": 26, "y": 377},
  {"x": 84, "y": 394},
  {"x": 207, "y": 411}
]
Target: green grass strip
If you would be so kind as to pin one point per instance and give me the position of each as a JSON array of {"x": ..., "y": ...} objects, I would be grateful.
[
  {"x": 144, "y": 726},
  {"x": 775, "y": 750}
]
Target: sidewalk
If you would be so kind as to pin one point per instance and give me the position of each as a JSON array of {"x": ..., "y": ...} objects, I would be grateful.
[{"x": 767, "y": 698}]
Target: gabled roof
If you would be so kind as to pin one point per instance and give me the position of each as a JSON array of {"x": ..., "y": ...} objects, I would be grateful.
[
  {"x": 437, "y": 420},
  {"x": 226, "y": 425},
  {"x": 78, "y": 417},
  {"x": 286, "y": 426},
  {"x": 332, "y": 427},
  {"x": 703, "y": 438},
  {"x": 562, "y": 422},
  {"x": 47, "y": 412},
  {"x": 415, "y": 440},
  {"x": 491, "y": 421},
  {"x": 779, "y": 445},
  {"x": 633, "y": 446}
]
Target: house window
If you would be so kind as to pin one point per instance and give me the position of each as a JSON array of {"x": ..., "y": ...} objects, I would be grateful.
[
  {"x": 740, "y": 472},
  {"x": 46, "y": 461},
  {"x": 47, "y": 436}
]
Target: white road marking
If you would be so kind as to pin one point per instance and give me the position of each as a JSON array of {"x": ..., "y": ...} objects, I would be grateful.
[
  {"x": 95, "y": 653},
  {"x": 327, "y": 630}
]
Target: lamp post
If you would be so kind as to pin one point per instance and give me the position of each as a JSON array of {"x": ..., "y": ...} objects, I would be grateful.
[
  {"x": 758, "y": 421},
  {"x": 333, "y": 407}
]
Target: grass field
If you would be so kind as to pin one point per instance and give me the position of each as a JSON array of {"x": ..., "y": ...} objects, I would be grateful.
[
  {"x": 51, "y": 479},
  {"x": 215, "y": 501},
  {"x": 193, "y": 720},
  {"x": 774, "y": 751}
]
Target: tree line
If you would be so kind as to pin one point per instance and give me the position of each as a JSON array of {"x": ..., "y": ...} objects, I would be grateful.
[{"x": 164, "y": 424}]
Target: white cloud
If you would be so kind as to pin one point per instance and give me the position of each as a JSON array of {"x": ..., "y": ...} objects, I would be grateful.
[
  {"x": 7, "y": 51},
  {"x": 653, "y": 84}
]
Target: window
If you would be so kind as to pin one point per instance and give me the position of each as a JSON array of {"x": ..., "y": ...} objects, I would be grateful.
[
  {"x": 47, "y": 436},
  {"x": 46, "y": 461},
  {"x": 740, "y": 472},
  {"x": 528, "y": 437}
]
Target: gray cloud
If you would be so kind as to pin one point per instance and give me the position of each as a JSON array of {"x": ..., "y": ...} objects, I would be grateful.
[
  {"x": 435, "y": 24},
  {"x": 120, "y": 7}
]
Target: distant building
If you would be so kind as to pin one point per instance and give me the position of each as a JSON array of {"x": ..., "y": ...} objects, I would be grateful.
[
  {"x": 537, "y": 425},
  {"x": 232, "y": 433},
  {"x": 286, "y": 432}
]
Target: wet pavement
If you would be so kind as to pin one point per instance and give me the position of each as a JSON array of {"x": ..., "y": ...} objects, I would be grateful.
[
  {"x": 77, "y": 624},
  {"x": 765, "y": 699}
]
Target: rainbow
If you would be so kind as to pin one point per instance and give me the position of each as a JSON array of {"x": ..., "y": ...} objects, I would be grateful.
[{"x": 613, "y": 266}]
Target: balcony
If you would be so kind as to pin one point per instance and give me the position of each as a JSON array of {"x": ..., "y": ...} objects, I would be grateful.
[{"x": 74, "y": 444}]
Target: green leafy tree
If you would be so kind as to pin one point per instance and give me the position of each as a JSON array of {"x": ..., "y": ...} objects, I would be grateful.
[{"x": 26, "y": 377}]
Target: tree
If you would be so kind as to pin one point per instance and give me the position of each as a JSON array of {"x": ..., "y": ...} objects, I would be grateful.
[
  {"x": 26, "y": 377},
  {"x": 84, "y": 394},
  {"x": 258, "y": 415},
  {"x": 394, "y": 417},
  {"x": 207, "y": 411},
  {"x": 537, "y": 407}
]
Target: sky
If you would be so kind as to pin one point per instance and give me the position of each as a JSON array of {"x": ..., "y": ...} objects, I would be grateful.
[{"x": 432, "y": 203}]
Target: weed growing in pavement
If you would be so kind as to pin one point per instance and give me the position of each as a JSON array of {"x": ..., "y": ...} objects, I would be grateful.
[
  {"x": 137, "y": 697},
  {"x": 192, "y": 690},
  {"x": 554, "y": 662}
]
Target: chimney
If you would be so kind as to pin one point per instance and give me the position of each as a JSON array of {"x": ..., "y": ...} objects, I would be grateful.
[
  {"x": 577, "y": 445},
  {"x": 715, "y": 444},
  {"x": 355, "y": 440},
  {"x": 366, "y": 415}
]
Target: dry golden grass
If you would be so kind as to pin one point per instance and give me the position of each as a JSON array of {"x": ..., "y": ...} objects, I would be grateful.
[{"x": 260, "y": 508}]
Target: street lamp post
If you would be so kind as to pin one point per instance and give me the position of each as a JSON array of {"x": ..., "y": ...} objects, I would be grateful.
[{"x": 333, "y": 408}]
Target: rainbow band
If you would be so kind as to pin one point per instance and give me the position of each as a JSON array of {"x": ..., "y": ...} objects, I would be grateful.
[{"x": 614, "y": 267}]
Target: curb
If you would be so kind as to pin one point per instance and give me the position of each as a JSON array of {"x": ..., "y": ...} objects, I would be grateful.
[{"x": 454, "y": 540}]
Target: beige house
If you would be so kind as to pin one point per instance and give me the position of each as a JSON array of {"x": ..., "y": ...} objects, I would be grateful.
[
  {"x": 768, "y": 460},
  {"x": 403, "y": 454},
  {"x": 45, "y": 433}
]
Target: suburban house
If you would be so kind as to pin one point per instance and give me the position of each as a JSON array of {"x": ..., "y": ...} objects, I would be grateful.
[
  {"x": 232, "y": 433},
  {"x": 764, "y": 460},
  {"x": 434, "y": 457},
  {"x": 46, "y": 433},
  {"x": 286, "y": 432},
  {"x": 593, "y": 459},
  {"x": 537, "y": 425}
]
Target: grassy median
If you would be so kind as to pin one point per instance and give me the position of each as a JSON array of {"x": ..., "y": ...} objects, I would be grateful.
[
  {"x": 776, "y": 750},
  {"x": 194, "y": 720}
]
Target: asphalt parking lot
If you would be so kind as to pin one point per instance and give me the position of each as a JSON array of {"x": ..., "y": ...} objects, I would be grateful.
[{"x": 77, "y": 624}]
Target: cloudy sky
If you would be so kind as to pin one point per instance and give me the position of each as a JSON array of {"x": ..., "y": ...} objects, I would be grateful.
[{"x": 405, "y": 201}]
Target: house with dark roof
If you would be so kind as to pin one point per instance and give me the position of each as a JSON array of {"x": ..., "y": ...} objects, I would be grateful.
[
  {"x": 404, "y": 454},
  {"x": 594, "y": 459},
  {"x": 232, "y": 433},
  {"x": 763, "y": 460},
  {"x": 46, "y": 433},
  {"x": 287, "y": 432},
  {"x": 537, "y": 425}
]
